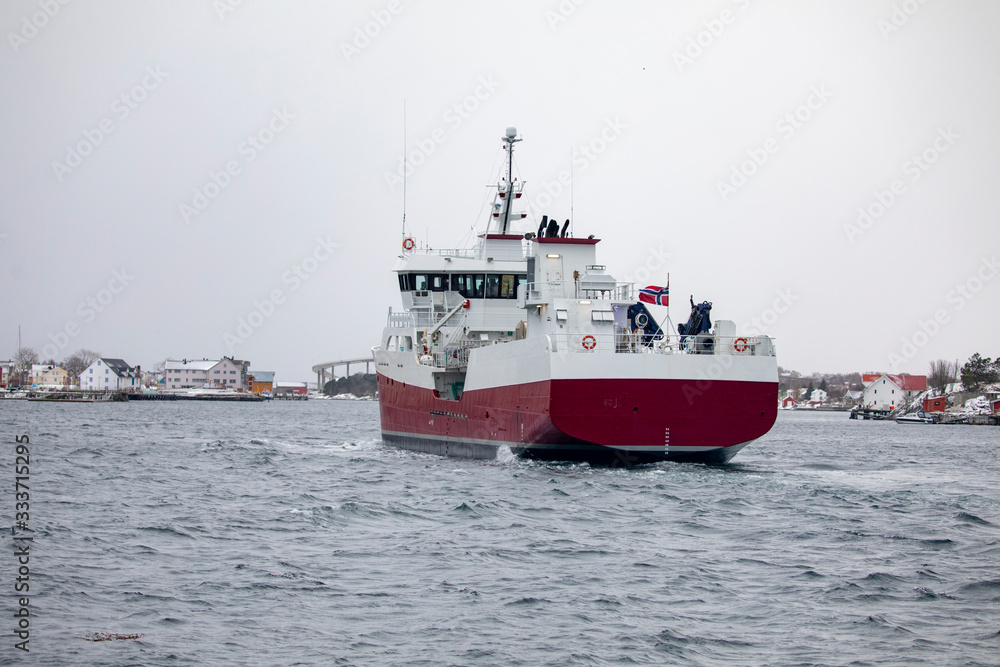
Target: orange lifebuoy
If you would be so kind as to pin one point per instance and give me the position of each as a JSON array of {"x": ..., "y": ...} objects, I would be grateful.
[
  {"x": 740, "y": 345},
  {"x": 589, "y": 342},
  {"x": 408, "y": 244}
]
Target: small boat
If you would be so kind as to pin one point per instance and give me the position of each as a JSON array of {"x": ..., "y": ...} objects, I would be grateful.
[{"x": 919, "y": 417}]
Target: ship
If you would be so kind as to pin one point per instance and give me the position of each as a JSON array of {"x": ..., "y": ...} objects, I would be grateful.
[{"x": 524, "y": 342}]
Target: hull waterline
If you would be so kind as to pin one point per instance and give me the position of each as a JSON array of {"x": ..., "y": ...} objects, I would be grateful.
[{"x": 603, "y": 422}]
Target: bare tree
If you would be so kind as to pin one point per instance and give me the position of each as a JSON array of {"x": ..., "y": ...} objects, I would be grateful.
[
  {"x": 79, "y": 361},
  {"x": 26, "y": 357},
  {"x": 942, "y": 374}
]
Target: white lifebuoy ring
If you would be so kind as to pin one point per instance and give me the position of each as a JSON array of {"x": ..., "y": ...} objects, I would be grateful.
[
  {"x": 740, "y": 345},
  {"x": 589, "y": 342},
  {"x": 408, "y": 244}
]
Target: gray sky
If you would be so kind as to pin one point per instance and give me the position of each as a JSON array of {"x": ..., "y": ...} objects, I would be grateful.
[{"x": 180, "y": 164}]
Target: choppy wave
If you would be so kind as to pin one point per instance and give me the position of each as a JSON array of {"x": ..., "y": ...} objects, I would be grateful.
[{"x": 288, "y": 533}]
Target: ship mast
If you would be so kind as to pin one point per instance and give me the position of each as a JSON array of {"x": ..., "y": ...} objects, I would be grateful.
[{"x": 510, "y": 138}]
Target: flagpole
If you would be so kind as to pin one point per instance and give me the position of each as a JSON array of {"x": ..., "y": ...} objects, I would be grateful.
[{"x": 670, "y": 322}]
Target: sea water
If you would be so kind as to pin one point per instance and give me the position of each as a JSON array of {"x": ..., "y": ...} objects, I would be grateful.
[{"x": 286, "y": 533}]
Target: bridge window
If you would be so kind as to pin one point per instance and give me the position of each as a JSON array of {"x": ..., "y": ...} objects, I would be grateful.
[
  {"x": 507, "y": 289},
  {"x": 492, "y": 286},
  {"x": 503, "y": 286},
  {"x": 469, "y": 285},
  {"x": 423, "y": 282}
]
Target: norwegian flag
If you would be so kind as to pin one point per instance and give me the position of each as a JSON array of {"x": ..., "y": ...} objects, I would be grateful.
[{"x": 656, "y": 295}]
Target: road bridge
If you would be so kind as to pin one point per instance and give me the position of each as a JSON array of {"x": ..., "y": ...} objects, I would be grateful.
[{"x": 330, "y": 367}]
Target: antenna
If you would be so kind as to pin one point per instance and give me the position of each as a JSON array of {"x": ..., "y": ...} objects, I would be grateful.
[
  {"x": 404, "y": 168},
  {"x": 509, "y": 138},
  {"x": 572, "y": 218}
]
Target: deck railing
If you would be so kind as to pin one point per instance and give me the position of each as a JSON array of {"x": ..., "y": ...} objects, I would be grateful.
[
  {"x": 638, "y": 343},
  {"x": 516, "y": 254},
  {"x": 543, "y": 292},
  {"x": 457, "y": 355},
  {"x": 401, "y": 320}
]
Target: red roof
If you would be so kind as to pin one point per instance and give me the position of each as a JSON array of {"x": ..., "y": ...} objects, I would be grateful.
[{"x": 904, "y": 382}]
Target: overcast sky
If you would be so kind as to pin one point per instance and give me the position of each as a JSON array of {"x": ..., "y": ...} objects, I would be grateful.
[{"x": 170, "y": 168}]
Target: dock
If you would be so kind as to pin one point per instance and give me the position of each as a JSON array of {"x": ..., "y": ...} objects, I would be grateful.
[
  {"x": 118, "y": 396},
  {"x": 869, "y": 413},
  {"x": 231, "y": 398}
]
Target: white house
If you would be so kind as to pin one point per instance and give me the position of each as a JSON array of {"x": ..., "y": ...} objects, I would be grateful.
[
  {"x": 106, "y": 374},
  {"x": 818, "y": 396},
  {"x": 8, "y": 372},
  {"x": 225, "y": 373},
  {"x": 186, "y": 373},
  {"x": 887, "y": 392},
  {"x": 47, "y": 376}
]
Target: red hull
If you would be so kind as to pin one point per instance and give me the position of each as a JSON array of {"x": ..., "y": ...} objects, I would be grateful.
[{"x": 598, "y": 420}]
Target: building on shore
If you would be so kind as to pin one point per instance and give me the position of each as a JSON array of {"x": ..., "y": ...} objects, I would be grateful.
[
  {"x": 8, "y": 373},
  {"x": 111, "y": 374},
  {"x": 225, "y": 373},
  {"x": 47, "y": 376},
  {"x": 888, "y": 392},
  {"x": 298, "y": 390},
  {"x": 935, "y": 404},
  {"x": 259, "y": 382}
]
